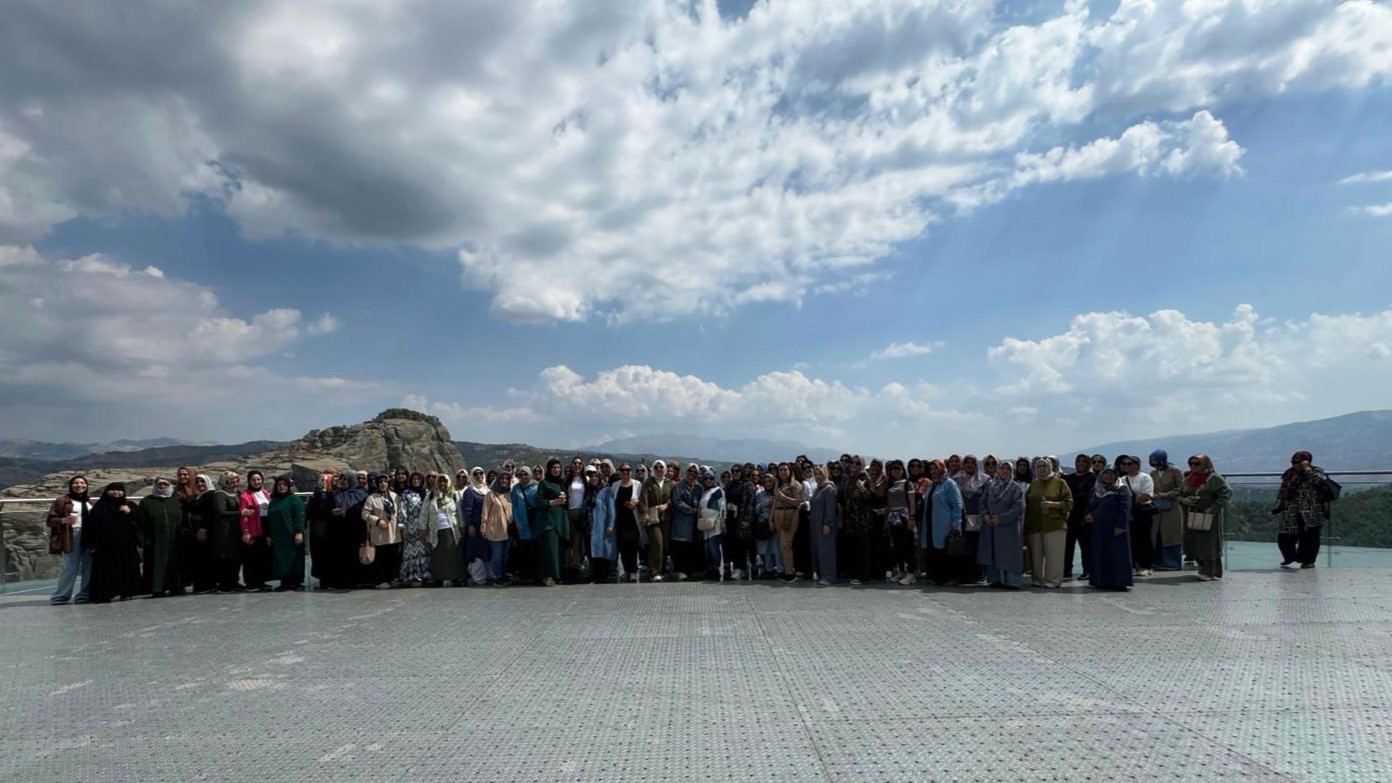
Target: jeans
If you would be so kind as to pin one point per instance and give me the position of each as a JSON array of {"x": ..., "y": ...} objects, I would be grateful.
[
  {"x": 498, "y": 551},
  {"x": 770, "y": 556},
  {"x": 713, "y": 556},
  {"x": 77, "y": 563}
]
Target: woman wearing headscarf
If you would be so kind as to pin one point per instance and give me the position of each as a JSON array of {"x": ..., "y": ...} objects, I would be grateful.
[
  {"x": 220, "y": 526},
  {"x": 604, "y": 546},
  {"x": 1109, "y": 523},
  {"x": 524, "y": 514},
  {"x": 1000, "y": 551},
  {"x": 972, "y": 482},
  {"x": 787, "y": 504},
  {"x": 112, "y": 535},
  {"x": 688, "y": 558},
  {"x": 825, "y": 518},
  {"x": 625, "y": 520},
  {"x": 285, "y": 526},
  {"x": 1024, "y": 471},
  {"x": 254, "y": 503},
  {"x": 476, "y": 548},
  {"x": 497, "y": 517},
  {"x": 1081, "y": 482},
  {"x": 654, "y": 510},
  {"x": 415, "y": 537},
  {"x": 940, "y": 520},
  {"x": 1302, "y": 504},
  {"x": 1167, "y": 480},
  {"x": 1205, "y": 492},
  {"x": 346, "y": 534},
  {"x": 710, "y": 521},
  {"x": 380, "y": 529},
  {"x": 441, "y": 513},
  {"x": 551, "y": 525},
  {"x": 899, "y": 524},
  {"x": 1047, "y": 505},
  {"x": 67, "y": 518},
  {"x": 160, "y": 516}
]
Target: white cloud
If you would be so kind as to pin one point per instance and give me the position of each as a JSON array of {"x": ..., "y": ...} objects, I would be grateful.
[
  {"x": 1367, "y": 176},
  {"x": 324, "y": 324},
  {"x": 96, "y": 343},
  {"x": 616, "y": 146},
  {"x": 1166, "y": 373},
  {"x": 1375, "y": 210},
  {"x": 904, "y": 350}
]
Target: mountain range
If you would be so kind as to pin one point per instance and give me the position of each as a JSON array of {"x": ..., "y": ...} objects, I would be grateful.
[
  {"x": 40, "y": 450},
  {"x": 1356, "y": 441}
]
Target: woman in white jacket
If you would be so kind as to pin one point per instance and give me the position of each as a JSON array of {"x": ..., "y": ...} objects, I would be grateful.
[{"x": 441, "y": 515}]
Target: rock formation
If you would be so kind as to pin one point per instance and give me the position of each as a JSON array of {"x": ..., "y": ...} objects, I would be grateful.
[{"x": 395, "y": 439}]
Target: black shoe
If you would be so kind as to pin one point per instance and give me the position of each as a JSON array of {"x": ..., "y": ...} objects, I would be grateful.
[
  {"x": 1307, "y": 565},
  {"x": 1286, "y": 563},
  {"x": 504, "y": 582}
]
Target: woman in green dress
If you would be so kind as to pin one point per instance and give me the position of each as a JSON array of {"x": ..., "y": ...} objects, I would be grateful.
[
  {"x": 1205, "y": 491},
  {"x": 551, "y": 525},
  {"x": 286, "y": 526}
]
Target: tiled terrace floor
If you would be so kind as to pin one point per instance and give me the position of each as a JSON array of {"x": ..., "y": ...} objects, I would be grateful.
[{"x": 1263, "y": 677}]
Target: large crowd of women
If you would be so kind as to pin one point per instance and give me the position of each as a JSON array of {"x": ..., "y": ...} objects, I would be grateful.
[{"x": 949, "y": 521}]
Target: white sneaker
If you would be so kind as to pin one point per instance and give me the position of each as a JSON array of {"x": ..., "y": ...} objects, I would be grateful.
[
  {"x": 824, "y": 583},
  {"x": 1204, "y": 577},
  {"x": 657, "y": 578},
  {"x": 738, "y": 574},
  {"x": 855, "y": 583},
  {"x": 681, "y": 576},
  {"x": 908, "y": 579}
]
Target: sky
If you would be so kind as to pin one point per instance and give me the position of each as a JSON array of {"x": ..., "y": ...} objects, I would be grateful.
[{"x": 875, "y": 225}]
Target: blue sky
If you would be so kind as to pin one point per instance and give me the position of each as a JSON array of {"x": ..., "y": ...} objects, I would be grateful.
[{"x": 895, "y": 226}]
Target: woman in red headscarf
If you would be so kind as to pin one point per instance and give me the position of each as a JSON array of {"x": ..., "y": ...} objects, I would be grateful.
[{"x": 1205, "y": 496}]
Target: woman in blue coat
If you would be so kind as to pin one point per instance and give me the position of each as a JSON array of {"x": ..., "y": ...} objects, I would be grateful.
[
  {"x": 1109, "y": 514},
  {"x": 604, "y": 544},
  {"x": 1000, "y": 550},
  {"x": 941, "y": 518}
]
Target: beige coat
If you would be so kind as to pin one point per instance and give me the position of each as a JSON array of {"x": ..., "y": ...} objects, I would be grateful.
[
  {"x": 497, "y": 513},
  {"x": 381, "y": 526}
]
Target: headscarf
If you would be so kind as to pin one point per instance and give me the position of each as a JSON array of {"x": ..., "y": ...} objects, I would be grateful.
[
  {"x": 289, "y": 487},
  {"x": 942, "y": 470},
  {"x": 79, "y": 497},
  {"x": 479, "y": 485},
  {"x": 1048, "y": 462},
  {"x": 970, "y": 484},
  {"x": 373, "y": 481},
  {"x": 659, "y": 472},
  {"x": 155, "y": 490},
  {"x": 1290, "y": 480},
  {"x": 229, "y": 480},
  {"x": 546, "y": 472},
  {"x": 207, "y": 482},
  {"x": 1001, "y": 492},
  {"x": 411, "y": 483},
  {"x": 1102, "y": 488},
  {"x": 1197, "y": 478},
  {"x": 1160, "y": 456},
  {"x": 1025, "y": 475}
]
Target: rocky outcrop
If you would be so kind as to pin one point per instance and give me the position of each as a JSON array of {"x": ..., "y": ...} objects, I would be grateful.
[{"x": 422, "y": 444}]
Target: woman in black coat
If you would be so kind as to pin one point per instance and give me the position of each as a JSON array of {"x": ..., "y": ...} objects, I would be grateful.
[{"x": 112, "y": 535}]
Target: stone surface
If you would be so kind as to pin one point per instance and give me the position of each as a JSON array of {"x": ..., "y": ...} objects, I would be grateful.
[
  {"x": 1270, "y": 676},
  {"x": 419, "y": 445}
]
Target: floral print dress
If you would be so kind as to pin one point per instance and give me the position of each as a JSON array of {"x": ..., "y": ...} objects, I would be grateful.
[{"x": 415, "y": 553}]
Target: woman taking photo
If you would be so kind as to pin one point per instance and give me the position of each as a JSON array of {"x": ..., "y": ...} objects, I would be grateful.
[{"x": 1302, "y": 504}]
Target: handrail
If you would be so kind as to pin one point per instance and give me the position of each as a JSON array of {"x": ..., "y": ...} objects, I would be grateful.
[{"x": 19, "y": 501}]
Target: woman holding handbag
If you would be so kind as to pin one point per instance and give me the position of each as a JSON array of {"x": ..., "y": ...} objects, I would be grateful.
[{"x": 1205, "y": 497}]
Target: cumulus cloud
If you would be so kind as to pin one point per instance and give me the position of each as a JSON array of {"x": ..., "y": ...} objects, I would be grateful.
[
  {"x": 1169, "y": 373},
  {"x": 1366, "y": 177},
  {"x": 709, "y": 163},
  {"x": 324, "y": 324},
  {"x": 904, "y": 350},
  {"x": 1375, "y": 210},
  {"x": 95, "y": 342}
]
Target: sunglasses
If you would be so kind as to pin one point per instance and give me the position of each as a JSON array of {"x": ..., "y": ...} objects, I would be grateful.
[
  {"x": 625, "y": 470},
  {"x": 1193, "y": 463}
]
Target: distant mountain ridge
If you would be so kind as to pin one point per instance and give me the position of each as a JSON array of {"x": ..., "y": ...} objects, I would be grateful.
[
  {"x": 1355, "y": 441},
  {"x": 40, "y": 450}
]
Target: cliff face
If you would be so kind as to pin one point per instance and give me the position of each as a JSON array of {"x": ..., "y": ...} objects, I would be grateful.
[{"x": 373, "y": 445}]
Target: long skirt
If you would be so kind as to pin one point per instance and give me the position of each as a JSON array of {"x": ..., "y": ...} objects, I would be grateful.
[
  {"x": 445, "y": 562},
  {"x": 386, "y": 565},
  {"x": 415, "y": 560}
]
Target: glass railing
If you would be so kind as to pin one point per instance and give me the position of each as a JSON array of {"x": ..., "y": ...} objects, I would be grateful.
[{"x": 1359, "y": 533}]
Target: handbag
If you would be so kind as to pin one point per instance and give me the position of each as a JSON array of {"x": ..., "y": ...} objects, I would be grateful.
[
  {"x": 651, "y": 516},
  {"x": 1331, "y": 490},
  {"x": 956, "y": 543},
  {"x": 973, "y": 523},
  {"x": 1201, "y": 520},
  {"x": 367, "y": 553}
]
